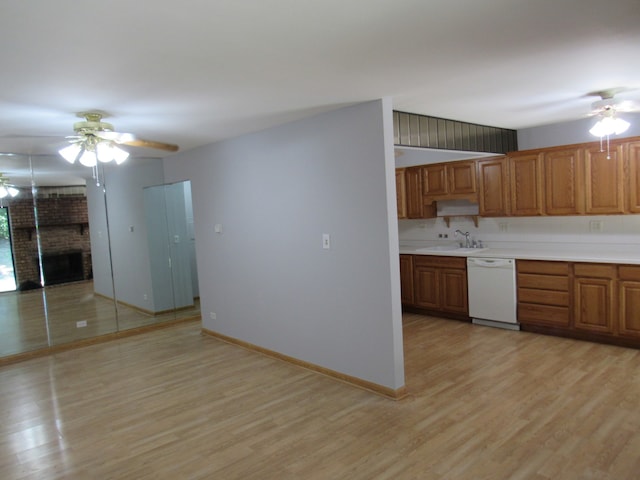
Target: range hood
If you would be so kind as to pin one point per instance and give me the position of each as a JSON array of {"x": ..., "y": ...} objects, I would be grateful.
[{"x": 453, "y": 208}]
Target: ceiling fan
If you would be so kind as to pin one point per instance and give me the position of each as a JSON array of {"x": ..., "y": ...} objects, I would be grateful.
[
  {"x": 97, "y": 141},
  {"x": 607, "y": 108}
]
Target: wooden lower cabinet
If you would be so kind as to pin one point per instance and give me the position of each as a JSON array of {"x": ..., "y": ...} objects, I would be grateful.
[
  {"x": 440, "y": 284},
  {"x": 594, "y": 297},
  {"x": 543, "y": 293},
  {"x": 629, "y": 298},
  {"x": 591, "y": 301},
  {"x": 406, "y": 279}
]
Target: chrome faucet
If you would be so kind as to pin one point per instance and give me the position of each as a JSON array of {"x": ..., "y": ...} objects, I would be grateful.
[{"x": 467, "y": 243}]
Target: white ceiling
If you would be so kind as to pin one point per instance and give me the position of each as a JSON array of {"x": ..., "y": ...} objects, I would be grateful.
[{"x": 197, "y": 71}]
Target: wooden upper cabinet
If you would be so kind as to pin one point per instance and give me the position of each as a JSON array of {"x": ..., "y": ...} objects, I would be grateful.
[
  {"x": 434, "y": 179},
  {"x": 451, "y": 180},
  {"x": 633, "y": 177},
  {"x": 413, "y": 184},
  {"x": 401, "y": 193},
  {"x": 461, "y": 177},
  {"x": 414, "y": 197},
  {"x": 493, "y": 187},
  {"x": 604, "y": 180},
  {"x": 525, "y": 181},
  {"x": 563, "y": 182}
]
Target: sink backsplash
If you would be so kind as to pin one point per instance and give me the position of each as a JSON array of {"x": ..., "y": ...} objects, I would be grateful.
[{"x": 620, "y": 231}]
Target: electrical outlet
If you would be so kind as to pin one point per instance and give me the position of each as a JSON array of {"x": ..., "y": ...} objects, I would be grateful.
[
  {"x": 145, "y": 297},
  {"x": 212, "y": 315},
  {"x": 504, "y": 226},
  {"x": 595, "y": 226},
  {"x": 81, "y": 324}
]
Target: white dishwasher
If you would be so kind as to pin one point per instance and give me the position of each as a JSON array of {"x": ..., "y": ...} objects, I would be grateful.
[{"x": 492, "y": 292}]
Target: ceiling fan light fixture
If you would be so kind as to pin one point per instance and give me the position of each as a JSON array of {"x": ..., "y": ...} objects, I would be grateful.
[
  {"x": 104, "y": 152},
  {"x": 119, "y": 155},
  {"x": 609, "y": 125},
  {"x": 88, "y": 158},
  {"x": 108, "y": 151},
  {"x": 70, "y": 152}
]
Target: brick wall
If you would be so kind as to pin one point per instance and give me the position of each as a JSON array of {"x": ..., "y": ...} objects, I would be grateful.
[{"x": 63, "y": 227}]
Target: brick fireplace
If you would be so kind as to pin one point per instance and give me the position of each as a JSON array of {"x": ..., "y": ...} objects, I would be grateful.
[{"x": 64, "y": 236}]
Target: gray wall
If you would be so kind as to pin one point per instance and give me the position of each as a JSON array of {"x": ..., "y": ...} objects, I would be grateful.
[
  {"x": 266, "y": 275},
  {"x": 100, "y": 258},
  {"x": 125, "y": 207},
  {"x": 567, "y": 133}
]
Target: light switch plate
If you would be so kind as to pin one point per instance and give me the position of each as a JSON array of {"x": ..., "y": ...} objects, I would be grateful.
[{"x": 326, "y": 241}]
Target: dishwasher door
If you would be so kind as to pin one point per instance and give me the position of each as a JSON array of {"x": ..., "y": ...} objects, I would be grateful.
[{"x": 492, "y": 291}]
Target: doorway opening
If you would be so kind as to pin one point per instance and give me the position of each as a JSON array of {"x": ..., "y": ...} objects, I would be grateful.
[{"x": 7, "y": 272}]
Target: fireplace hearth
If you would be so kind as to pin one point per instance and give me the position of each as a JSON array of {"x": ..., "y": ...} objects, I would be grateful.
[{"x": 62, "y": 267}]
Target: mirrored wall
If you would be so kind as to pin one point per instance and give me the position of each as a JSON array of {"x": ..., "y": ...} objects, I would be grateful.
[{"x": 87, "y": 253}]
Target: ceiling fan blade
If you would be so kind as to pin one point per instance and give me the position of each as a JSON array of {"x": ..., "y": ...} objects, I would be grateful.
[
  {"x": 140, "y": 142},
  {"x": 133, "y": 141}
]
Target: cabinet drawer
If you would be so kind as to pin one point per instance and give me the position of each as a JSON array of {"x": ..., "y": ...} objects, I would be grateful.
[
  {"x": 629, "y": 272},
  {"x": 537, "y": 266},
  {"x": 543, "y": 314},
  {"x": 543, "y": 282},
  {"x": 543, "y": 297},
  {"x": 433, "y": 260},
  {"x": 597, "y": 270}
]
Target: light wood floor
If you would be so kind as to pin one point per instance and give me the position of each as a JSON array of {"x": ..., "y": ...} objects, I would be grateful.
[
  {"x": 484, "y": 404},
  {"x": 25, "y": 327}
]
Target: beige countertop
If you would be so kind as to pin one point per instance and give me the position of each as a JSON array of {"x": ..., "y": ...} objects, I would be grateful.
[{"x": 599, "y": 254}]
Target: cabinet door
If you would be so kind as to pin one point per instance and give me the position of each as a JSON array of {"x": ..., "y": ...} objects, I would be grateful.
[
  {"x": 401, "y": 193},
  {"x": 593, "y": 304},
  {"x": 563, "y": 182},
  {"x": 493, "y": 185},
  {"x": 406, "y": 279},
  {"x": 454, "y": 296},
  {"x": 434, "y": 179},
  {"x": 426, "y": 286},
  {"x": 525, "y": 181},
  {"x": 629, "y": 317},
  {"x": 604, "y": 181},
  {"x": 461, "y": 177},
  {"x": 413, "y": 184},
  {"x": 633, "y": 183}
]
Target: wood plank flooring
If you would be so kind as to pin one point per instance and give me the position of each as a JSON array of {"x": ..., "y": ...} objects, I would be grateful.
[
  {"x": 25, "y": 327},
  {"x": 483, "y": 404}
]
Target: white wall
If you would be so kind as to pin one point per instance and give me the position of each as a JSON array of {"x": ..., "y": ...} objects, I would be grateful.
[
  {"x": 266, "y": 275},
  {"x": 574, "y": 232}
]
